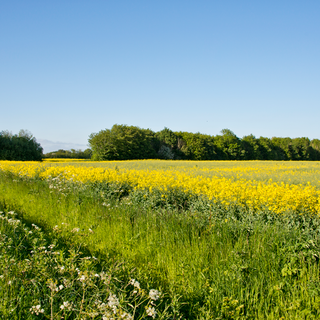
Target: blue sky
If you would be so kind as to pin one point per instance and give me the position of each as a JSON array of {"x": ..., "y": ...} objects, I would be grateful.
[{"x": 70, "y": 68}]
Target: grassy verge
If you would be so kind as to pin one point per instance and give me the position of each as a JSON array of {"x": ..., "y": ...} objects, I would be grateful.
[
  {"x": 48, "y": 278},
  {"x": 211, "y": 263}
]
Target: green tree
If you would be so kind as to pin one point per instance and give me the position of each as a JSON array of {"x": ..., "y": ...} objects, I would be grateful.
[
  {"x": 122, "y": 143},
  {"x": 302, "y": 149},
  {"x": 197, "y": 146},
  {"x": 230, "y": 145},
  {"x": 166, "y": 138},
  {"x": 282, "y": 148},
  {"x": 266, "y": 148},
  {"x": 21, "y": 147},
  {"x": 253, "y": 150},
  {"x": 315, "y": 145},
  {"x": 73, "y": 154}
]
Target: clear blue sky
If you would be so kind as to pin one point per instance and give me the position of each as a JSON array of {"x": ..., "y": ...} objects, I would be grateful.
[{"x": 70, "y": 68}]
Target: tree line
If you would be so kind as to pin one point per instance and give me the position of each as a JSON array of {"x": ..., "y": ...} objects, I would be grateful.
[
  {"x": 72, "y": 154},
  {"x": 123, "y": 142},
  {"x": 20, "y": 147}
]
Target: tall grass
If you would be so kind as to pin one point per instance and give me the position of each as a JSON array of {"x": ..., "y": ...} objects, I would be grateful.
[
  {"x": 48, "y": 278},
  {"x": 211, "y": 264}
]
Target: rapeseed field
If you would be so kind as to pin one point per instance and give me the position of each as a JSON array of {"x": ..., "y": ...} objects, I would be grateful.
[
  {"x": 254, "y": 185},
  {"x": 156, "y": 239}
]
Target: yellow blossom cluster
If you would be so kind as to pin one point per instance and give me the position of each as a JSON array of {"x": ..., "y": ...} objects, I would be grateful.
[{"x": 255, "y": 185}]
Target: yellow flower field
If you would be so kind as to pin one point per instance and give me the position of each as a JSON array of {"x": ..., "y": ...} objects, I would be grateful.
[{"x": 277, "y": 186}]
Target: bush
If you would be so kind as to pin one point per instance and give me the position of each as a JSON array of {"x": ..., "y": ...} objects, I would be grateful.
[{"x": 21, "y": 147}]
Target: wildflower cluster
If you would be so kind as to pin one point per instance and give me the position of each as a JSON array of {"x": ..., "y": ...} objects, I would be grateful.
[{"x": 60, "y": 282}]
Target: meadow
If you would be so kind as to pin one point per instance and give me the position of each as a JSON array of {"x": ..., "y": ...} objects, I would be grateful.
[{"x": 212, "y": 239}]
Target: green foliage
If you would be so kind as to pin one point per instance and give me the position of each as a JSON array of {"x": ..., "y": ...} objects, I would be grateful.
[
  {"x": 211, "y": 262},
  {"x": 43, "y": 276},
  {"x": 165, "y": 152},
  {"x": 230, "y": 145},
  {"x": 252, "y": 148},
  {"x": 126, "y": 143},
  {"x": 122, "y": 143},
  {"x": 73, "y": 154},
  {"x": 21, "y": 147},
  {"x": 302, "y": 148},
  {"x": 197, "y": 146},
  {"x": 167, "y": 144},
  {"x": 167, "y": 137}
]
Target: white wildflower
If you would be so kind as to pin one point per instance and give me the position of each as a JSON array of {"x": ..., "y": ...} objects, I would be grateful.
[
  {"x": 103, "y": 275},
  {"x": 102, "y": 306},
  {"x": 82, "y": 278},
  {"x": 66, "y": 305},
  {"x": 113, "y": 300},
  {"x": 151, "y": 312},
  {"x": 36, "y": 227},
  {"x": 53, "y": 287},
  {"x": 154, "y": 294},
  {"x": 93, "y": 314},
  {"x": 36, "y": 309},
  {"x": 126, "y": 316},
  {"x": 107, "y": 316},
  {"x": 135, "y": 283},
  {"x": 13, "y": 221}
]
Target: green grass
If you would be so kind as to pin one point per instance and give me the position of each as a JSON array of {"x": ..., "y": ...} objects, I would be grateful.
[
  {"x": 209, "y": 263},
  {"x": 48, "y": 278}
]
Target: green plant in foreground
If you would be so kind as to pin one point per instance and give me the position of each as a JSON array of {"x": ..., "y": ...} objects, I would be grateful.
[
  {"x": 45, "y": 279},
  {"x": 212, "y": 263}
]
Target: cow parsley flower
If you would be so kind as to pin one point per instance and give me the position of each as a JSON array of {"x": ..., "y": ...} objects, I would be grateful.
[
  {"x": 151, "y": 312},
  {"x": 154, "y": 294},
  {"x": 113, "y": 300},
  {"x": 36, "y": 309}
]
